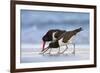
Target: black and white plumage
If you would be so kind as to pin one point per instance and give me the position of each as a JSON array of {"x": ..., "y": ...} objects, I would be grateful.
[
  {"x": 64, "y": 39},
  {"x": 51, "y": 35}
]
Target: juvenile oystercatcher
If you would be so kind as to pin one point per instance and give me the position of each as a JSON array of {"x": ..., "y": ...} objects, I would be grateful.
[
  {"x": 51, "y": 35},
  {"x": 63, "y": 40}
]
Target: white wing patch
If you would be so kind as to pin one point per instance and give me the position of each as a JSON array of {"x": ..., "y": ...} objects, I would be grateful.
[
  {"x": 63, "y": 44},
  {"x": 53, "y": 36},
  {"x": 71, "y": 39}
]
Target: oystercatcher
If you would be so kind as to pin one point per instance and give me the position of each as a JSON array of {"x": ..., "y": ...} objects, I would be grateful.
[
  {"x": 63, "y": 40},
  {"x": 51, "y": 35}
]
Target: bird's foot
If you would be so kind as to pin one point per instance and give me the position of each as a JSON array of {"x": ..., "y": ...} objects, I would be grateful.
[
  {"x": 48, "y": 53},
  {"x": 59, "y": 53},
  {"x": 40, "y": 52}
]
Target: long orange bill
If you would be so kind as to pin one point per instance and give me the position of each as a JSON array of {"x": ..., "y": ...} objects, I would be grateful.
[{"x": 43, "y": 46}]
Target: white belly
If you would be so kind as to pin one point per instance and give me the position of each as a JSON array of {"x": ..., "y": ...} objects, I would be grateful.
[{"x": 62, "y": 43}]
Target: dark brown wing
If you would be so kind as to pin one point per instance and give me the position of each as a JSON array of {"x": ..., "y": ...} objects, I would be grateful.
[
  {"x": 67, "y": 36},
  {"x": 59, "y": 34}
]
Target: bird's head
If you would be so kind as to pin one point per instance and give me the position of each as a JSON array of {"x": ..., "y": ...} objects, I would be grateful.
[{"x": 79, "y": 29}]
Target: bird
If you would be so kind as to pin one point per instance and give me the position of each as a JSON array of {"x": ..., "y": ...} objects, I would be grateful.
[
  {"x": 50, "y": 36},
  {"x": 63, "y": 40}
]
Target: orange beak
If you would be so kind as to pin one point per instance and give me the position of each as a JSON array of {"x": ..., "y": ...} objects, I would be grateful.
[{"x": 43, "y": 46}]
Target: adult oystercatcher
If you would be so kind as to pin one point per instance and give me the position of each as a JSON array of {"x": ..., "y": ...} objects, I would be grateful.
[
  {"x": 63, "y": 40},
  {"x": 51, "y": 35}
]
